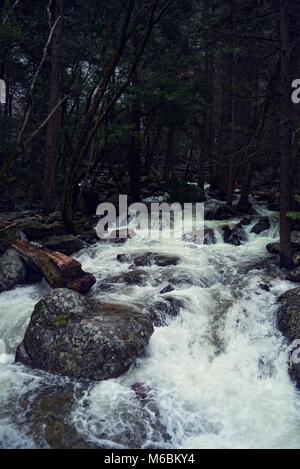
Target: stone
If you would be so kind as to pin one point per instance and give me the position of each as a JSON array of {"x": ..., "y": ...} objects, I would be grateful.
[
  {"x": 82, "y": 338},
  {"x": 133, "y": 277},
  {"x": 148, "y": 259},
  {"x": 235, "y": 235},
  {"x": 12, "y": 271},
  {"x": 288, "y": 320},
  {"x": 263, "y": 225}
]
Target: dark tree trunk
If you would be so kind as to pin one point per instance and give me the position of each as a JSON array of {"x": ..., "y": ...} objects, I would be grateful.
[
  {"x": 49, "y": 192},
  {"x": 170, "y": 152},
  {"x": 285, "y": 163},
  {"x": 233, "y": 91},
  {"x": 134, "y": 157}
]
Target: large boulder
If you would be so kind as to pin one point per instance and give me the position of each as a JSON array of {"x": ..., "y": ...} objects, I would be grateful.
[
  {"x": 12, "y": 271},
  {"x": 288, "y": 319},
  {"x": 83, "y": 339}
]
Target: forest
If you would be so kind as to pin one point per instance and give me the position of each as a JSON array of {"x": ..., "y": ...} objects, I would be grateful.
[{"x": 176, "y": 101}]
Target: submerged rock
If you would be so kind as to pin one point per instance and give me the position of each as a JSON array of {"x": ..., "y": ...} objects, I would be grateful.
[
  {"x": 288, "y": 319},
  {"x": 12, "y": 270},
  {"x": 148, "y": 259},
  {"x": 49, "y": 419},
  {"x": 83, "y": 339}
]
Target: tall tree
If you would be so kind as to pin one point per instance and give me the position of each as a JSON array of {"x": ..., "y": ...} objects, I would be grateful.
[{"x": 49, "y": 192}]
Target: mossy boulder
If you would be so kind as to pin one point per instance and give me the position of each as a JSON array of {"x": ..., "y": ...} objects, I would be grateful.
[{"x": 82, "y": 338}]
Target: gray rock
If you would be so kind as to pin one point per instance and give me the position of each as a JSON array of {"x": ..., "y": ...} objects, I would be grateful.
[
  {"x": 83, "y": 339},
  {"x": 12, "y": 270},
  {"x": 288, "y": 320}
]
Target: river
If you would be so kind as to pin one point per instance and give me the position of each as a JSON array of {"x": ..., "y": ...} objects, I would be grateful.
[{"x": 216, "y": 374}]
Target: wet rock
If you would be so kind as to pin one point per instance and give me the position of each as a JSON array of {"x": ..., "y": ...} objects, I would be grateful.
[
  {"x": 83, "y": 339},
  {"x": 234, "y": 236},
  {"x": 263, "y": 225},
  {"x": 288, "y": 319},
  {"x": 246, "y": 221},
  {"x": 148, "y": 259},
  {"x": 264, "y": 287},
  {"x": 274, "y": 248},
  {"x": 68, "y": 244},
  {"x": 12, "y": 271},
  {"x": 133, "y": 277}
]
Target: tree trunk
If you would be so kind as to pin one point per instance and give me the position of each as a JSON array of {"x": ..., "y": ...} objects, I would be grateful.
[
  {"x": 50, "y": 193},
  {"x": 233, "y": 86},
  {"x": 170, "y": 152},
  {"x": 285, "y": 162},
  {"x": 134, "y": 160}
]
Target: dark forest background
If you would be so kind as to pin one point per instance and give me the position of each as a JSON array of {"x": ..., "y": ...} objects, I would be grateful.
[{"x": 139, "y": 97}]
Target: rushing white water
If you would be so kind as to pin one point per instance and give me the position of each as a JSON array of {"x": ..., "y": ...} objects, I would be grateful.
[{"x": 217, "y": 374}]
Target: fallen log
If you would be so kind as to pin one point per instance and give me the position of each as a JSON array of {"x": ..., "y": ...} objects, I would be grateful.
[{"x": 59, "y": 270}]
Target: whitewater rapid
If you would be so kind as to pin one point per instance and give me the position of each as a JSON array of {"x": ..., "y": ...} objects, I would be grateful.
[{"x": 216, "y": 375}]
